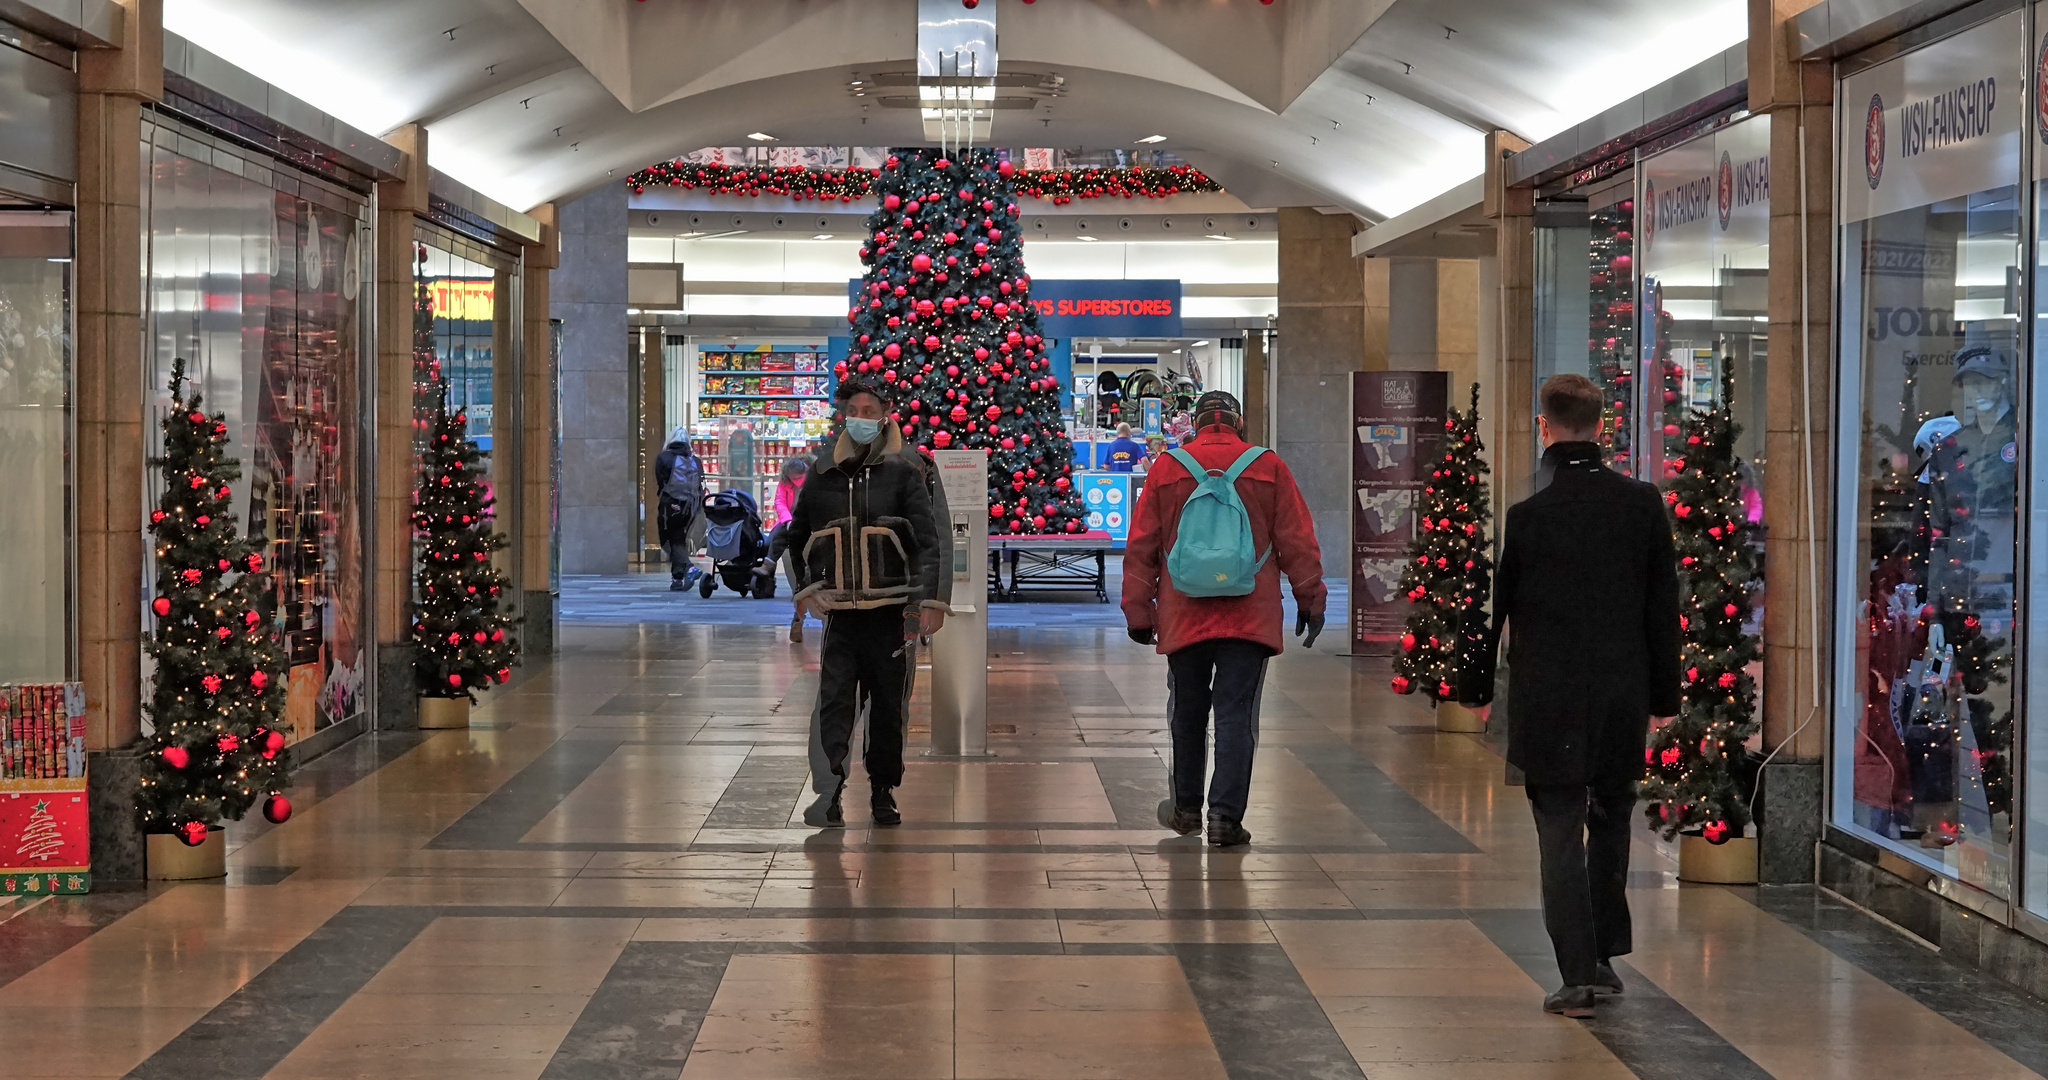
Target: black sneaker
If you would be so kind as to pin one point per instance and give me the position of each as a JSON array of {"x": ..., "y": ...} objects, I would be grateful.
[
  {"x": 1573, "y": 1001},
  {"x": 1182, "y": 822},
  {"x": 1224, "y": 832},
  {"x": 678, "y": 585},
  {"x": 1605, "y": 982},
  {"x": 824, "y": 811},
  {"x": 884, "y": 806}
]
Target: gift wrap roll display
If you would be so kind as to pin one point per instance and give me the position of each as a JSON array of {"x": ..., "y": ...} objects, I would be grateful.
[{"x": 43, "y": 834}]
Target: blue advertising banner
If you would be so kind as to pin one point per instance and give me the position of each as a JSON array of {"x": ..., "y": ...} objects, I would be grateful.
[
  {"x": 1107, "y": 497},
  {"x": 1110, "y": 307}
]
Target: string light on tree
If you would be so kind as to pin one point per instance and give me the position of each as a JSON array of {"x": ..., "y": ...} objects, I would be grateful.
[
  {"x": 1449, "y": 571},
  {"x": 216, "y": 694},
  {"x": 462, "y": 634},
  {"x": 1696, "y": 776},
  {"x": 945, "y": 326}
]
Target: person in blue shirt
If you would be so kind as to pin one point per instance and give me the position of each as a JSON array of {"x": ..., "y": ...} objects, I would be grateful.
[{"x": 1123, "y": 453}]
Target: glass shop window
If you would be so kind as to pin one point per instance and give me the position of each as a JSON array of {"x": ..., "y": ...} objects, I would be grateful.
[
  {"x": 1931, "y": 365},
  {"x": 35, "y": 429},
  {"x": 1585, "y": 300}
]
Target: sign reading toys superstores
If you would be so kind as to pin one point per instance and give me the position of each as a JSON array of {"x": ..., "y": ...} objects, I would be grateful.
[{"x": 1940, "y": 122}]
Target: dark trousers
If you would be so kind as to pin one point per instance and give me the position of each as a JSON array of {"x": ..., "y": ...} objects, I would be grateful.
[
  {"x": 863, "y": 658},
  {"x": 1583, "y": 834},
  {"x": 676, "y": 519},
  {"x": 1222, "y": 676}
]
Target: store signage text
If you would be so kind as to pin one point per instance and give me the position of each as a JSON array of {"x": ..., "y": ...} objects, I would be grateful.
[
  {"x": 1104, "y": 307},
  {"x": 1912, "y": 322},
  {"x": 459, "y": 298},
  {"x": 1948, "y": 118},
  {"x": 1687, "y": 203},
  {"x": 1742, "y": 185}
]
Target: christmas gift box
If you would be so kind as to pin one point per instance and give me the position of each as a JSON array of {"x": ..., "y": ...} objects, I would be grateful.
[{"x": 43, "y": 837}]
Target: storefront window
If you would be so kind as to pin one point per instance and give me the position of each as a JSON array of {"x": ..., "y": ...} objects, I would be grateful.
[
  {"x": 35, "y": 426},
  {"x": 2033, "y": 786},
  {"x": 254, "y": 276},
  {"x": 1930, "y": 370},
  {"x": 1585, "y": 300}
]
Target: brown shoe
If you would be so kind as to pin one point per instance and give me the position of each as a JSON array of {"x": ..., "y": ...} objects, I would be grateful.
[
  {"x": 1573, "y": 1001},
  {"x": 796, "y": 629}
]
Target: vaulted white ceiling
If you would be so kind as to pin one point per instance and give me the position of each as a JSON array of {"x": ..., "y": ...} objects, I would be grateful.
[{"x": 1369, "y": 105}]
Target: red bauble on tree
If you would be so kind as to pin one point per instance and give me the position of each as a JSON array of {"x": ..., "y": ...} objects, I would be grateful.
[{"x": 459, "y": 623}]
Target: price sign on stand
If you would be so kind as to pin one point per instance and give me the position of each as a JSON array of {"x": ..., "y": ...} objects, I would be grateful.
[{"x": 1108, "y": 499}]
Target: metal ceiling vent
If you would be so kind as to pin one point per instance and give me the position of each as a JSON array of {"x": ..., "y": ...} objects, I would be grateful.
[{"x": 956, "y": 72}]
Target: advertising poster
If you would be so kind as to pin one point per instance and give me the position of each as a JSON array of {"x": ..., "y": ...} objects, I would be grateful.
[
  {"x": 1108, "y": 499},
  {"x": 1397, "y": 420}
]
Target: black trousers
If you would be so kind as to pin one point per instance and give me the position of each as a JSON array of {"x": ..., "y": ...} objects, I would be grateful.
[
  {"x": 1583, "y": 834},
  {"x": 863, "y": 657},
  {"x": 676, "y": 519},
  {"x": 1223, "y": 677}
]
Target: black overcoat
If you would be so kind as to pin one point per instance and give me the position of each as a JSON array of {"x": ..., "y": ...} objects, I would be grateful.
[{"x": 1588, "y": 589}]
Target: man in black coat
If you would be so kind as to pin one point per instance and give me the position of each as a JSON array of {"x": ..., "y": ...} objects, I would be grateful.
[{"x": 1588, "y": 588}]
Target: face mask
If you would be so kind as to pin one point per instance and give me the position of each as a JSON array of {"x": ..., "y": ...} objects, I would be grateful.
[{"x": 861, "y": 430}]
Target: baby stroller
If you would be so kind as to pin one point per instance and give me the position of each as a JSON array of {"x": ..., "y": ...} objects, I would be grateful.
[{"x": 738, "y": 550}]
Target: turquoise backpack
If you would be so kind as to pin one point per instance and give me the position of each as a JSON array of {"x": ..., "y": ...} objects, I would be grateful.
[{"x": 1213, "y": 553}]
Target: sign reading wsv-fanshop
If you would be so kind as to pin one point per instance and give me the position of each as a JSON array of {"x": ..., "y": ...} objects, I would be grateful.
[{"x": 1947, "y": 118}]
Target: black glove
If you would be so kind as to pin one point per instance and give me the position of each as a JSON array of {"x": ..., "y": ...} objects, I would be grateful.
[
  {"x": 1313, "y": 623},
  {"x": 1142, "y": 635}
]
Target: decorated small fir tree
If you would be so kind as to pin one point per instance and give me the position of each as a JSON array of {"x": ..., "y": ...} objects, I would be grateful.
[
  {"x": 944, "y": 323},
  {"x": 1449, "y": 572},
  {"x": 217, "y": 690},
  {"x": 460, "y": 628},
  {"x": 1696, "y": 777}
]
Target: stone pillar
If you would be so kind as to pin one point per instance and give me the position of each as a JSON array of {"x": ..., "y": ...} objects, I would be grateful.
[
  {"x": 1257, "y": 410},
  {"x": 588, "y": 293},
  {"x": 1798, "y": 439},
  {"x": 1457, "y": 325},
  {"x": 1513, "y": 211},
  {"x": 1325, "y": 327},
  {"x": 1411, "y": 312},
  {"x": 391, "y": 543},
  {"x": 653, "y": 432},
  {"x": 111, "y": 410},
  {"x": 537, "y": 509}
]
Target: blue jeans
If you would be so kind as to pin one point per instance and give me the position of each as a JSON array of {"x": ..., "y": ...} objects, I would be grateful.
[{"x": 1223, "y": 676}]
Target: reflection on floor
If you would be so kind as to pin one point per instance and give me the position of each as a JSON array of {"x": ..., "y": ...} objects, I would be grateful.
[{"x": 607, "y": 878}]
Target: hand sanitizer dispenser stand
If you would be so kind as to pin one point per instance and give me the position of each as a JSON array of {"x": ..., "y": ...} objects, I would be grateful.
[{"x": 960, "y": 649}]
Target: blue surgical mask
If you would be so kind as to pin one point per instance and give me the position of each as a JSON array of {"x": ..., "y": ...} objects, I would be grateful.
[{"x": 862, "y": 430}]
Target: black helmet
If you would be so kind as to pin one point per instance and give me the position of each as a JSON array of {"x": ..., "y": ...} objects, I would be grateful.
[{"x": 1217, "y": 401}]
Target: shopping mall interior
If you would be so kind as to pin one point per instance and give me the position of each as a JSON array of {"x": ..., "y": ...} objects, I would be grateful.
[{"x": 468, "y": 463}]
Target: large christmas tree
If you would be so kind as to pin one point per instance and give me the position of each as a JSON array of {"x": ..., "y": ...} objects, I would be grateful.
[
  {"x": 217, "y": 690},
  {"x": 1696, "y": 777},
  {"x": 1449, "y": 572},
  {"x": 943, "y": 322},
  {"x": 458, "y": 623}
]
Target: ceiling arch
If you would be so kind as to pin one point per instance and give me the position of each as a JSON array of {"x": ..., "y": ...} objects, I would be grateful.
[{"x": 1368, "y": 105}]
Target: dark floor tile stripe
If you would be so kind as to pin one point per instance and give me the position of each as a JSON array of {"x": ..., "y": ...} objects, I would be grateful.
[
  {"x": 1090, "y": 688},
  {"x": 1655, "y": 1036},
  {"x": 644, "y": 1018},
  {"x": 509, "y": 813},
  {"x": 1134, "y": 787},
  {"x": 36, "y": 936},
  {"x": 245, "y": 1036},
  {"x": 1262, "y": 1018},
  {"x": 761, "y": 794},
  {"x": 2012, "y": 1021},
  {"x": 1387, "y": 809}
]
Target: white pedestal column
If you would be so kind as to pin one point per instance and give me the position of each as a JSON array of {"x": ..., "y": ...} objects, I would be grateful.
[{"x": 960, "y": 648}]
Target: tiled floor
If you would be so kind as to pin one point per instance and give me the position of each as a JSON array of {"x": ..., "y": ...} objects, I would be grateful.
[{"x": 607, "y": 878}]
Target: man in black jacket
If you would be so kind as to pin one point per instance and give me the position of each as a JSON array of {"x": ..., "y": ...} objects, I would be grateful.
[
  {"x": 679, "y": 477},
  {"x": 1588, "y": 588},
  {"x": 866, "y": 554}
]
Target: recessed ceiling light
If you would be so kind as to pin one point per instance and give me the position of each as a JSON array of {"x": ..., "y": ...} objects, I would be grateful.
[
  {"x": 1220, "y": 236},
  {"x": 822, "y": 236},
  {"x": 1199, "y": 344},
  {"x": 1090, "y": 239},
  {"x": 761, "y": 136},
  {"x": 1153, "y": 139}
]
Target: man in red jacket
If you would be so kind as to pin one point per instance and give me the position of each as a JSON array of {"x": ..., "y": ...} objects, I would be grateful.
[{"x": 1216, "y": 647}]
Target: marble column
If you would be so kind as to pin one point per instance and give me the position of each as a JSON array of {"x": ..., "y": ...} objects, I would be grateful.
[
  {"x": 391, "y": 546},
  {"x": 537, "y": 509},
  {"x": 1513, "y": 426},
  {"x": 588, "y": 294},
  {"x": 1327, "y": 331},
  {"x": 108, "y": 366},
  {"x": 1798, "y": 439}
]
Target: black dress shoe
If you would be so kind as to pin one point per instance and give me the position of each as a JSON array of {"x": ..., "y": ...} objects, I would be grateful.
[
  {"x": 1573, "y": 1001},
  {"x": 884, "y": 806},
  {"x": 824, "y": 811},
  {"x": 1224, "y": 832},
  {"x": 678, "y": 585},
  {"x": 1605, "y": 982},
  {"x": 1182, "y": 822}
]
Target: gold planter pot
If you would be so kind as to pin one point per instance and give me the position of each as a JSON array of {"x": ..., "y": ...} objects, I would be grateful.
[
  {"x": 1732, "y": 863},
  {"x": 1458, "y": 719},
  {"x": 168, "y": 858},
  {"x": 439, "y": 713}
]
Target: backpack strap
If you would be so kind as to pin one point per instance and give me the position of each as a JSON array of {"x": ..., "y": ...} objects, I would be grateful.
[
  {"x": 1242, "y": 463},
  {"x": 1188, "y": 462}
]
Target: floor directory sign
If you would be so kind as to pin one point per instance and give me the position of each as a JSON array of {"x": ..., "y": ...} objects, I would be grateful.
[
  {"x": 1108, "y": 498},
  {"x": 1397, "y": 419}
]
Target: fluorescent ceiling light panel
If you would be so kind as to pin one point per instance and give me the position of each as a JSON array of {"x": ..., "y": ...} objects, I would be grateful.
[
  {"x": 822, "y": 236},
  {"x": 1153, "y": 139},
  {"x": 761, "y": 136},
  {"x": 1090, "y": 239},
  {"x": 1220, "y": 236}
]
